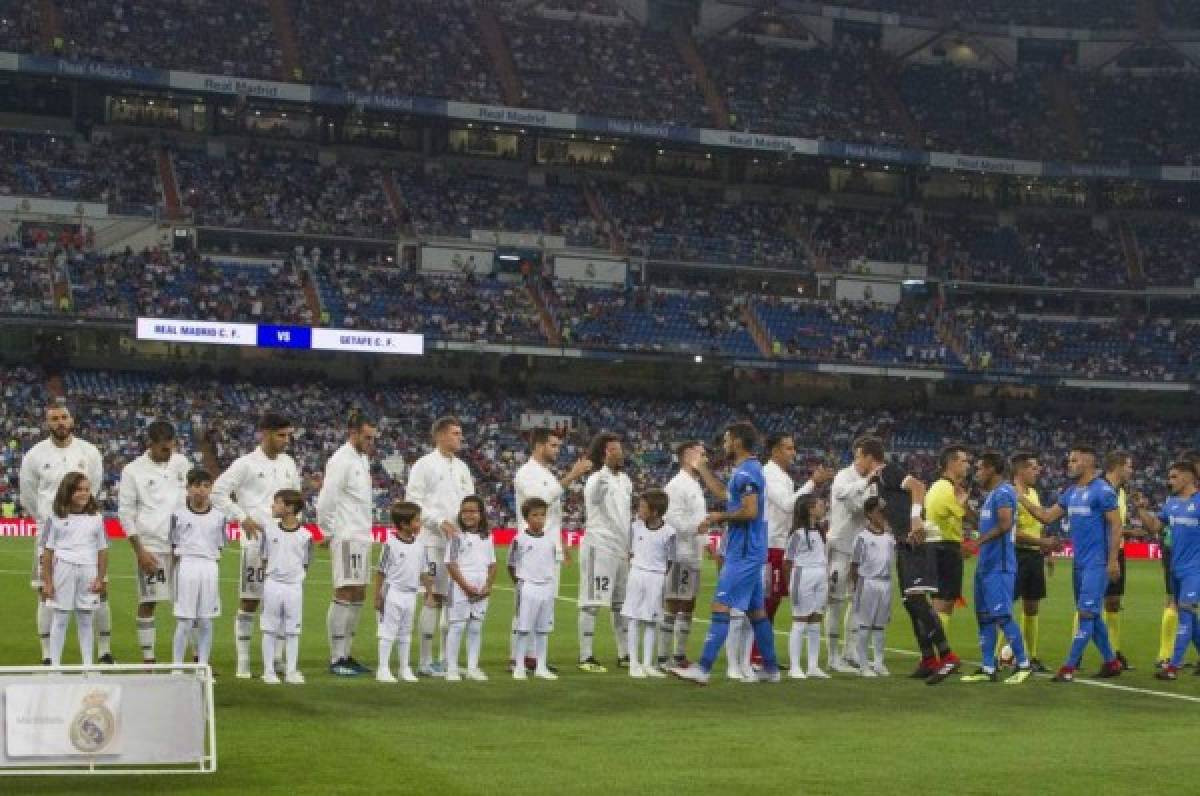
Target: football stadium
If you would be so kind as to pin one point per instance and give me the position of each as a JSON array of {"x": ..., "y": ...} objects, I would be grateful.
[{"x": 479, "y": 396}]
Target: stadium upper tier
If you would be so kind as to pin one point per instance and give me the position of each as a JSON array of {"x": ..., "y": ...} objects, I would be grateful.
[
  {"x": 757, "y": 76},
  {"x": 112, "y": 410}
]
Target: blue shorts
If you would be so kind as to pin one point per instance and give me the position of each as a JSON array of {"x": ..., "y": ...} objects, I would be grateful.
[
  {"x": 1090, "y": 585},
  {"x": 994, "y": 595},
  {"x": 1187, "y": 590},
  {"x": 740, "y": 585}
]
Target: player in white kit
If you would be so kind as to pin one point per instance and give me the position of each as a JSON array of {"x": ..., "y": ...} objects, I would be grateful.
[
  {"x": 651, "y": 555},
  {"x": 438, "y": 482},
  {"x": 686, "y": 510},
  {"x": 871, "y": 577},
  {"x": 807, "y": 572},
  {"x": 536, "y": 478},
  {"x": 397, "y": 581},
  {"x": 152, "y": 487},
  {"x": 604, "y": 554},
  {"x": 532, "y": 562},
  {"x": 74, "y": 563},
  {"x": 471, "y": 565},
  {"x": 245, "y": 493},
  {"x": 850, "y": 490},
  {"x": 286, "y": 548},
  {"x": 197, "y": 536},
  {"x": 42, "y": 470},
  {"x": 345, "y": 512}
]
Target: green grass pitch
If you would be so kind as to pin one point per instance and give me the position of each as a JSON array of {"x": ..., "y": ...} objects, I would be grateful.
[{"x": 608, "y": 734}]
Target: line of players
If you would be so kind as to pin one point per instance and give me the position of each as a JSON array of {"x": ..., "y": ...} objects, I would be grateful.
[{"x": 869, "y": 499}]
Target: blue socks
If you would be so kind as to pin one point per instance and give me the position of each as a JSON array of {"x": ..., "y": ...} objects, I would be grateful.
[
  {"x": 1082, "y": 637},
  {"x": 715, "y": 640},
  {"x": 1012, "y": 632},
  {"x": 1185, "y": 634},
  {"x": 1100, "y": 636},
  {"x": 764, "y": 637},
  {"x": 987, "y": 645}
]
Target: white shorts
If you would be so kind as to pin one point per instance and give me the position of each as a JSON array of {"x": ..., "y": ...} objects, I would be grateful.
[
  {"x": 644, "y": 599},
  {"x": 436, "y": 558},
  {"x": 396, "y": 621},
  {"x": 683, "y": 582},
  {"x": 873, "y": 603},
  {"x": 535, "y": 608},
  {"x": 73, "y": 587},
  {"x": 197, "y": 595},
  {"x": 252, "y": 573},
  {"x": 350, "y": 559},
  {"x": 157, "y": 586},
  {"x": 282, "y": 608},
  {"x": 839, "y": 575},
  {"x": 809, "y": 591},
  {"x": 460, "y": 607},
  {"x": 602, "y": 577}
]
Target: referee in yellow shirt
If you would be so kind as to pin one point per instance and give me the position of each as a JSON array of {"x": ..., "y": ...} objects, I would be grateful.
[
  {"x": 1032, "y": 564},
  {"x": 945, "y": 509}
]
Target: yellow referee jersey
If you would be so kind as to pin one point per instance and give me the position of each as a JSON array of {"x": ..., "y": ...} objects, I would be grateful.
[
  {"x": 1026, "y": 522},
  {"x": 944, "y": 512}
]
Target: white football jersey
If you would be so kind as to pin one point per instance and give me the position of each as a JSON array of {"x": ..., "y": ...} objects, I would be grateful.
[
  {"x": 874, "y": 553},
  {"x": 76, "y": 538},
  {"x": 473, "y": 554},
  {"x": 653, "y": 548},
  {"x": 438, "y": 485},
  {"x": 148, "y": 494},
  {"x": 254, "y": 479},
  {"x": 43, "y": 468},
  {"x": 685, "y": 511},
  {"x": 402, "y": 563},
  {"x": 847, "y": 495},
  {"x": 608, "y": 503},
  {"x": 287, "y": 553},
  {"x": 534, "y": 479},
  {"x": 805, "y": 548},
  {"x": 534, "y": 558},
  {"x": 347, "y": 495},
  {"x": 197, "y": 535}
]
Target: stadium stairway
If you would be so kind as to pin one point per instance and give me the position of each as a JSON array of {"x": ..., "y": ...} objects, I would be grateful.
[
  {"x": 285, "y": 34},
  {"x": 883, "y": 73},
  {"x": 601, "y": 216},
  {"x": 713, "y": 99},
  {"x": 1132, "y": 252},
  {"x": 497, "y": 46},
  {"x": 170, "y": 186},
  {"x": 549, "y": 326},
  {"x": 758, "y": 330},
  {"x": 51, "y": 24},
  {"x": 1065, "y": 110}
]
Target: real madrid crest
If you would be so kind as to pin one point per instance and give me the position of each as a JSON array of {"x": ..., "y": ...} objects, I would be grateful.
[{"x": 94, "y": 726}]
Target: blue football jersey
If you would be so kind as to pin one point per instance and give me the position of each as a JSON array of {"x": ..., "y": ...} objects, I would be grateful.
[
  {"x": 998, "y": 555},
  {"x": 747, "y": 541},
  {"x": 1085, "y": 507}
]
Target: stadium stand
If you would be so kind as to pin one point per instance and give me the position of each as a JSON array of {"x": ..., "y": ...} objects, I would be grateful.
[{"x": 120, "y": 173}]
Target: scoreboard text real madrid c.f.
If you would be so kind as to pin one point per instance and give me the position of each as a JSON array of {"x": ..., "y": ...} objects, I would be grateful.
[{"x": 262, "y": 335}]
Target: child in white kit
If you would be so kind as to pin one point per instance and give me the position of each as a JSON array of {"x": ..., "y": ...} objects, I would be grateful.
[
  {"x": 533, "y": 563},
  {"x": 871, "y": 579},
  {"x": 807, "y": 574},
  {"x": 471, "y": 565},
  {"x": 196, "y": 537},
  {"x": 651, "y": 553},
  {"x": 74, "y": 562},
  {"x": 286, "y": 549},
  {"x": 402, "y": 570}
]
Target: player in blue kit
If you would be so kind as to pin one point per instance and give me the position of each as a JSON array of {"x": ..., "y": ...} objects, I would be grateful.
[
  {"x": 996, "y": 572},
  {"x": 1181, "y": 513},
  {"x": 1091, "y": 508},
  {"x": 740, "y": 584}
]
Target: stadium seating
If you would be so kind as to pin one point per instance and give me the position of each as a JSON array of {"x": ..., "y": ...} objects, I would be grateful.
[
  {"x": 121, "y": 173},
  {"x": 223, "y": 37},
  {"x": 816, "y": 93},
  {"x": 19, "y": 26},
  {"x": 112, "y": 408},
  {"x": 1170, "y": 250},
  {"x": 616, "y": 70},
  {"x": 25, "y": 280},
  {"x": 426, "y": 48},
  {"x": 286, "y": 190},
  {"x": 1130, "y": 119},
  {"x": 1097, "y": 14}
]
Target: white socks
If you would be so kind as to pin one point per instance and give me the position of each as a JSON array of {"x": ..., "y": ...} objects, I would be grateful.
[
  {"x": 814, "y": 645},
  {"x": 58, "y": 635},
  {"x": 587, "y": 633},
  {"x": 183, "y": 628},
  {"x": 268, "y": 654},
  {"x": 631, "y": 641},
  {"x": 199, "y": 632},
  {"x": 453, "y": 642},
  {"x": 84, "y": 622},
  {"x": 512, "y": 640},
  {"x": 521, "y": 650},
  {"x": 243, "y": 629},
  {"x": 833, "y": 630},
  {"x": 103, "y": 624},
  {"x": 84, "y": 627},
  {"x": 796, "y": 637},
  {"x": 666, "y": 637},
  {"x": 146, "y": 638},
  {"x": 877, "y": 645},
  {"x": 428, "y": 621},
  {"x": 861, "y": 645},
  {"x": 620, "y": 624},
  {"x": 683, "y": 629},
  {"x": 474, "y": 643},
  {"x": 542, "y": 644},
  {"x": 293, "y": 653},
  {"x": 45, "y": 618},
  {"x": 335, "y": 629}
]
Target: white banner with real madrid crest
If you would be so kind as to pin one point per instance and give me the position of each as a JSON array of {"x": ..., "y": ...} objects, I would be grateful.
[{"x": 60, "y": 719}]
